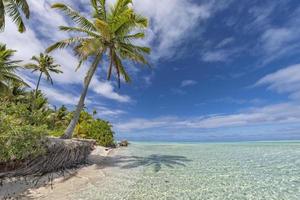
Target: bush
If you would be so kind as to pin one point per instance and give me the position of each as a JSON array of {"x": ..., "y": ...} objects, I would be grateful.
[
  {"x": 19, "y": 141},
  {"x": 99, "y": 130}
]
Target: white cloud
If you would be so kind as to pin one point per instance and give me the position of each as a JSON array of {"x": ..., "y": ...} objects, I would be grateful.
[
  {"x": 215, "y": 56},
  {"x": 274, "y": 114},
  {"x": 275, "y": 38},
  {"x": 59, "y": 96},
  {"x": 106, "y": 89},
  {"x": 171, "y": 21},
  {"x": 106, "y": 112},
  {"x": 221, "y": 54},
  {"x": 225, "y": 42},
  {"x": 186, "y": 83},
  {"x": 276, "y": 42},
  {"x": 286, "y": 80}
]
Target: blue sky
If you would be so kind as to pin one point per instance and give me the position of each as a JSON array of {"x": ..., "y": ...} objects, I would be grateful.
[{"x": 221, "y": 70}]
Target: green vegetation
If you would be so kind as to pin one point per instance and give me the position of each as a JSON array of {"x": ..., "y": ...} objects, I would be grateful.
[
  {"x": 7, "y": 69},
  {"x": 112, "y": 32},
  {"x": 44, "y": 65},
  {"x": 25, "y": 121},
  {"x": 12, "y": 9},
  {"x": 26, "y": 118},
  {"x": 99, "y": 130}
]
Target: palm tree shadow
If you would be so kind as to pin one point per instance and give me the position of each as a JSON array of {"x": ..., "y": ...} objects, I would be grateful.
[{"x": 157, "y": 162}]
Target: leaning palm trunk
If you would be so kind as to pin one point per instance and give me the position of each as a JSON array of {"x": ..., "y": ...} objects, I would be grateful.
[
  {"x": 38, "y": 84},
  {"x": 70, "y": 129}
]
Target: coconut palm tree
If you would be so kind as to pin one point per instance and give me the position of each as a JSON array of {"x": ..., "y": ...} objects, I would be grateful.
[
  {"x": 111, "y": 32},
  {"x": 44, "y": 65},
  {"x": 8, "y": 68},
  {"x": 16, "y": 93},
  {"x": 12, "y": 9}
]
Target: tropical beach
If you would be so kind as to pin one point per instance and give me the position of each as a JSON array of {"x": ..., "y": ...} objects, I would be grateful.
[
  {"x": 251, "y": 170},
  {"x": 144, "y": 99}
]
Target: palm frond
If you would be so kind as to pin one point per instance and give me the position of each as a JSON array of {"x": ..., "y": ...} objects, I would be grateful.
[
  {"x": 65, "y": 43},
  {"x": 78, "y": 30},
  {"x": 2, "y": 16},
  {"x": 119, "y": 7},
  {"x": 99, "y": 8},
  {"x": 13, "y": 12},
  {"x": 24, "y": 7},
  {"x": 75, "y": 16},
  {"x": 103, "y": 28}
]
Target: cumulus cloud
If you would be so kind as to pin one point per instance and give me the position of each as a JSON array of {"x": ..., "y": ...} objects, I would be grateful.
[
  {"x": 58, "y": 96},
  {"x": 170, "y": 22},
  {"x": 106, "y": 89}
]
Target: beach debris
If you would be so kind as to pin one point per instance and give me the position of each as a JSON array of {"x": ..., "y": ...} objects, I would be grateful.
[{"x": 123, "y": 143}]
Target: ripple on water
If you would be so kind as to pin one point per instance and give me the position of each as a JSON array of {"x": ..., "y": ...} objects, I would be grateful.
[{"x": 201, "y": 171}]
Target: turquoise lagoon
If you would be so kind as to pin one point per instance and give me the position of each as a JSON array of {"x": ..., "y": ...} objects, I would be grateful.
[{"x": 249, "y": 170}]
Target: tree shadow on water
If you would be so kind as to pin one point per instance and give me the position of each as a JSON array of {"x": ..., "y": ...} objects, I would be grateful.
[{"x": 155, "y": 160}]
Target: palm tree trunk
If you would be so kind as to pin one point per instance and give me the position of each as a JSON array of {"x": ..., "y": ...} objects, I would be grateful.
[
  {"x": 38, "y": 84},
  {"x": 70, "y": 129}
]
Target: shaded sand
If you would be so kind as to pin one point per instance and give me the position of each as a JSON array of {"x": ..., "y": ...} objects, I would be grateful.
[{"x": 62, "y": 184}]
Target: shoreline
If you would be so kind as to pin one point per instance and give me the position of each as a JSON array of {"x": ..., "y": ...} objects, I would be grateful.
[{"x": 41, "y": 188}]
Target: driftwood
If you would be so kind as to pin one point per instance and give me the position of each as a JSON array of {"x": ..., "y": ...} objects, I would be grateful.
[{"x": 60, "y": 154}]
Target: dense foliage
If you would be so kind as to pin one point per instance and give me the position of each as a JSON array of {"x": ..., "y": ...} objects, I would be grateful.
[
  {"x": 25, "y": 120},
  {"x": 18, "y": 140},
  {"x": 99, "y": 130}
]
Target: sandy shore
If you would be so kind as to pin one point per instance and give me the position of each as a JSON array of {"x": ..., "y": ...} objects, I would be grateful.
[{"x": 61, "y": 185}]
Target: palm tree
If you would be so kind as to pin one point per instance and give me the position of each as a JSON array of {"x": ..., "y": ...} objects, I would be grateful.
[
  {"x": 45, "y": 65},
  {"x": 111, "y": 32},
  {"x": 16, "y": 93},
  {"x": 12, "y": 9},
  {"x": 7, "y": 69}
]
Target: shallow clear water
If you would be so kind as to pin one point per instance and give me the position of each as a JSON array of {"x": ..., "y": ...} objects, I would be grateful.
[{"x": 258, "y": 170}]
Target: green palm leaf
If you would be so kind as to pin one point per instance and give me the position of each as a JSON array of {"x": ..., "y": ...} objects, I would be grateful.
[{"x": 75, "y": 16}]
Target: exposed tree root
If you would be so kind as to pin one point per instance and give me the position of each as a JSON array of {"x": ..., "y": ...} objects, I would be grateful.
[{"x": 60, "y": 155}]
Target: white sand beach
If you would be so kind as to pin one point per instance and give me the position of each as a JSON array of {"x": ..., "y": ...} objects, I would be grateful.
[{"x": 61, "y": 186}]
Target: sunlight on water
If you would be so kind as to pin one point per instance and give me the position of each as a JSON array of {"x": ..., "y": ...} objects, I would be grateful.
[{"x": 269, "y": 170}]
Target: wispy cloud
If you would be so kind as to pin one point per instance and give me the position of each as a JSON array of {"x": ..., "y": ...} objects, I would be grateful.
[
  {"x": 274, "y": 114},
  {"x": 186, "y": 83},
  {"x": 103, "y": 111},
  {"x": 225, "y": 42},
  {"x": 286, "y": 80}
]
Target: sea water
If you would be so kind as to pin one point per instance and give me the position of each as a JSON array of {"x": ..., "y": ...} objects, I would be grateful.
[{"x": 253, "y": 170}]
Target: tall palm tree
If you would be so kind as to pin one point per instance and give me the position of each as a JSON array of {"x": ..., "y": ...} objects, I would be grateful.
[
  {"x": 8, "y": 68},
  {"x": 44, "y": 65},
  {"x": 111, "y": 32},
  {"x": 12, "y": 9}
]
